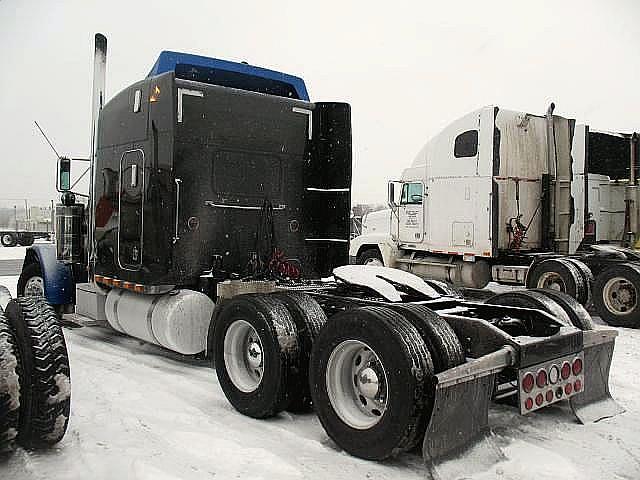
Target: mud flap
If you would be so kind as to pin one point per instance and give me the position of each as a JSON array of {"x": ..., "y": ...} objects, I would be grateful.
[
  {"x": 595, "y": 403},
  {"x": 459, "y": 426}
]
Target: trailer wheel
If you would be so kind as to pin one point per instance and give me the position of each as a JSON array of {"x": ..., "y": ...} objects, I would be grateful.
[
  {"x": 45, "y": 392},
  {"x": 370, "y": 256},
  {"x": 31, "y": 281},
  {"x": 617, "y": 295},
  {"x": 587, "y": 278},
  {"x": 26, "y": 240},
  {"x": 442, "y": 342},
  {"x": 256, "y": 354},
  {"x": 578, "y": 315},
  {"x": 309, "y": 319},
  {"x": 559, "y": 274},
  {"x": 370, "y": 377},
  {"x": 8, "y": 240},
  {"x": 531, "y": 299},
  {"x": 10, "y": 375}
]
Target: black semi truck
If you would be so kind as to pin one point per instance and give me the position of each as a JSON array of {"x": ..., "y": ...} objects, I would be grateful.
[{"x": 218, "y": 224}]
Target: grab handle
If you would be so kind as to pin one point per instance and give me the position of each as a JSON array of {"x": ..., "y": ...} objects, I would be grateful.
[{"x": 178, "y": 181}]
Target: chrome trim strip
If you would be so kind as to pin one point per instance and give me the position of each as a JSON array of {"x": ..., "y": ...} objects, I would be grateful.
[
  {"x": 209, "y": 203},
  {"x": 314, "y": 189},
  {"x": 181, "y": 93}
]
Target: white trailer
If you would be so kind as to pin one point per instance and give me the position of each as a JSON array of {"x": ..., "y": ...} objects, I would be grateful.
[{"x": 517, "y": 198}]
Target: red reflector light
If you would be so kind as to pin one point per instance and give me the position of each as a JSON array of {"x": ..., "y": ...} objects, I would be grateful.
[
  {"x": 138, "y": 288},
  {"x": 117, "y": 283},
  {"x": 577, "y": 386},
  {"x": 541, "y": 379},
  {"x": 566, "y": 370},
  {"x": 539, "y": 399},
  {"x": 549, "y": 395},
  {"x": 527, "y": 382},
  {"x": 577, "y": 366},
  {"x": 528, "y": 403},
  {"x": 568, "y": 388}
]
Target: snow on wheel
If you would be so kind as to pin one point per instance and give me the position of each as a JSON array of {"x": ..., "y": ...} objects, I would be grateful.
[
  {"x": 256, "y": 354},
  {"x": 531, "y": 299},
  {"x": 578, "y": 315},
  {"x": 370, "y": 377},
  {"x": 10, "y": 374},
  {"x": 617, "y": 295},
  {"x": 45, "y": 391},
  {"x": 370, "y": 257},
  {"x": 309, "y": 319},
  {"x": 31, "y": 281},
  {"x": 559, "y": 274},
  {"x": 442, "y": 342},
  {"x": 5, "y": 297}
]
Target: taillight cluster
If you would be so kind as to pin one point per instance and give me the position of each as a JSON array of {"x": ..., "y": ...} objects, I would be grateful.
[{"x": 548, "y": 383}]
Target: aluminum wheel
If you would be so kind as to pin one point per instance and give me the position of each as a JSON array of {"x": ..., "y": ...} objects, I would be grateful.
[
  {"x": 34, "y": 287},
  {"x": 357, "y": 384},
  {"x": 243, "y": 356},
  {"x": 619, "y": 295},
  {"x": 552, "y": 281}
]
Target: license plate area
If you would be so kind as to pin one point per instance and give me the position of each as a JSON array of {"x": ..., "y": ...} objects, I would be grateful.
[{"x": 553, "y": 381}]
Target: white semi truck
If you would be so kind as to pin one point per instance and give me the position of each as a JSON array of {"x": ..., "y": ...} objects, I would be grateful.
[{"x": 516, "y": 198}]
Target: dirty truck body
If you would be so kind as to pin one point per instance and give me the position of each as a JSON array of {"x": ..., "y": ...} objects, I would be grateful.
[
  {"x": 220, "y": 199},
  {"x": 516, "y": 198}
]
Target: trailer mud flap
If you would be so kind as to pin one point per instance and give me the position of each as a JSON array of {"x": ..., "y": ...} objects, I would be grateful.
[
  {"x": 595, "y": 403},
  {"x": 459, "y": 424}
]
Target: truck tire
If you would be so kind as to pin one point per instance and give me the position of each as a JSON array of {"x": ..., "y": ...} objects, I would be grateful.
[
  {"x": 256, "y": 354},
  {"x": 617, "y": 295},
  {"x": 587, "y": 278},
  {"x": 31, "y": 281},
  {"x": 370, "y": 377},
  {"x": 10, "y": 375},
  {"x": 531, "y": 299},
  {"x": 442, "y": 342},
  {"x": 26, "y": 240},
  {"x": 5, "y": 297},
  {"x": 309, "y": 319},
  {"x": 558, "y": 274},
  {"x": 578, "y": 315},
  {"x": 45, "y": 389},
  {"x": 370, "y": 256},
  {"x": 8, "y": 240}
]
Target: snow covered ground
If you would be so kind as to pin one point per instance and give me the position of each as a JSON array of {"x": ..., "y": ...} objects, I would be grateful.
[{"x": 140, "y": 412}]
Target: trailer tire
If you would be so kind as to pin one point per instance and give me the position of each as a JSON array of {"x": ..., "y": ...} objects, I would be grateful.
[
  {"x": 45, "y": 391},
  {"x": 558, "y": 274},
  {"x": 587, "y": 278},
  {"x": 396, "y": 359},
  {"x": 309, "y": 318},
  {"x": 10, "y": 376},
  {"x": 617, "y": 295},
  {"x": 578, "y": 315},
  {"x": 531, "y": 299},
  {"x": 26, "y": 240},
  {"x": 370, "y": 256},
  {"x": 256, "y": 354},
  {"x": 442, "y": 342},
  {"x": 8, "y": 240}
]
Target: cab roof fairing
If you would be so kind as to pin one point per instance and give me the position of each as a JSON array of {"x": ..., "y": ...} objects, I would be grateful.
[{"x": 168, "y": 60}]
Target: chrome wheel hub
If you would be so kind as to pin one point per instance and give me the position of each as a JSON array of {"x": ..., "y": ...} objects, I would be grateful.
[
  {"x": 357, "y": 384},
  {"x": 243, "y": 356},
  {"x": 552, "y": 281},
  {"x": 34, "y": 287}
]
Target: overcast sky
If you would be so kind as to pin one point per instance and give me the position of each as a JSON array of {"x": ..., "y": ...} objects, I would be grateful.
[{"x": 406, "y": 68}]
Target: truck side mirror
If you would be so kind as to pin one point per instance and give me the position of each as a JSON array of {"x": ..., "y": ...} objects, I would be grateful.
[
  {"x": 64, "y": 174},
  {"x": 393, "y": 200}
]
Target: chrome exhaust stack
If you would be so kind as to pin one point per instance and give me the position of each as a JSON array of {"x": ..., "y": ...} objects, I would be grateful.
[{"x": 97, "y": 102}]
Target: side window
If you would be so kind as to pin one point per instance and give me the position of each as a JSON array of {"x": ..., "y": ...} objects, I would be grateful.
[
  {"x": 411, "y": 194},
  {"x": 466, "y": 144}
]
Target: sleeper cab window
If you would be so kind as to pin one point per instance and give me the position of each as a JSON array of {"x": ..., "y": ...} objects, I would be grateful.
[
  {"x": 466, "y": 144},
  {"x": 411, "y": 194}
]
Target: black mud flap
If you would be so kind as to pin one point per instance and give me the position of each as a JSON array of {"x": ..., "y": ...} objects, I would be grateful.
[
  {"x": 595, "y": 403},
  {"x": 458, "y": 441}
]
